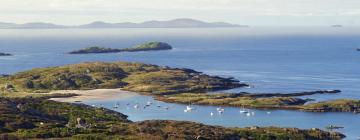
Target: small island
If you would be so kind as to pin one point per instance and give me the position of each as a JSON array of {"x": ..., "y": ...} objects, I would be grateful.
[
  {"x": 358, "y": 49},
  {"x": 148, "y": 46},
  {"x": 337, "y": 26},
  {"x": 95, "y": 49},
  {"x": 5, "y": 54}
]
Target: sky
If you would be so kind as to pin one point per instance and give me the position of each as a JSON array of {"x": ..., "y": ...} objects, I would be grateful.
[{"x": 246, "y": 12}]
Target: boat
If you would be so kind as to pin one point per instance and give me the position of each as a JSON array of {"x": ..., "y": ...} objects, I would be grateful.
[
  {"x": 334, "y": 127},
  {"x": 136, "y": 106},
  {"x": 248, "y": 114},
  {"x": 148, "y": 103},
  {"x": 117, "y": 105},
  {"x": 188, "y": 109},
  {"x": 211, "y": 114},
  {"x": 221, "y": 110},
  {"x": 243, "y": 111}
]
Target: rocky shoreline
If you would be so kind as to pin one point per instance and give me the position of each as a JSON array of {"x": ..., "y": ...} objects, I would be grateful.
[
  {"x": 267, "y": 101},
  {"x": 246, "y": 94}
]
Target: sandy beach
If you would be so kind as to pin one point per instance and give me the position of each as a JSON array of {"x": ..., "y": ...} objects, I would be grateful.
[{"x": 96, "y": 94}]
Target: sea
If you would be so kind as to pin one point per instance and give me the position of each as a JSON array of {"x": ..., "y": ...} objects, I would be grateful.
[{"x": 271, "y": 59}]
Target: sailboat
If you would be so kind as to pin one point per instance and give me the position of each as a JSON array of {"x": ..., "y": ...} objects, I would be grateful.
[
  {"x": 136, "y": 106},
  {"x": 243, "y": 111},
  {"x": 189, "y": 108},
  {"x": 220, "y": 110},
  {"x": 148, "y": 103}
]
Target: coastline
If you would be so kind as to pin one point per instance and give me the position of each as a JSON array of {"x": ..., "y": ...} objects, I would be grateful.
[{"x": 96, "y": 94}]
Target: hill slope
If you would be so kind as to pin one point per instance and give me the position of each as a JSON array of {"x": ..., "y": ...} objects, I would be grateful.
[{"x": 130, "y": 76}]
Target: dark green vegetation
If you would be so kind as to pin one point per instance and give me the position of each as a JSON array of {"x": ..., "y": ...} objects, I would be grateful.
[
  {"x": 246, "y": 94},
  {"x": 340, "y": 105},
  {"x": 231, "y": 100},
  {"x": 95, "y": 49},
  {"x": 4, "y": 54},
  {"x": 26, "y": 118},
  {"x": 266, "y": 101},
  {"x": 148, "y": 46},
  {"x": 130, "y": 76}
]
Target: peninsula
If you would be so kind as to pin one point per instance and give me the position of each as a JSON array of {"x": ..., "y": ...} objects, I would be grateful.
[
  {"x": 137, "y": 77},
  {"x": 267, "y": 101},
  {"x": 148, "y": 46},
  {"x": 4, "y": 54}
]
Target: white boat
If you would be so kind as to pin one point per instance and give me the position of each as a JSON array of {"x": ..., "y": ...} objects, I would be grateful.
[
  {"x": 243, "y": 111},
  {"x": 188, "y": 109},
  {"x": 221, "y": 110},
  {"x": 211, "y": 114},
  {"x": 136, "y": 106},
  {"x": 148, "y": 103},
  {"x": 248, "y": 114}
]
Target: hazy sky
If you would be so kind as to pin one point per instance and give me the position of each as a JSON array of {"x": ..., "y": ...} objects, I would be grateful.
[{"x": 251, "y": 12}]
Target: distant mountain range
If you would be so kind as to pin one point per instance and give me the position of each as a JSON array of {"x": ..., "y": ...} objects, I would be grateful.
[{"x": 176, "y": 23}]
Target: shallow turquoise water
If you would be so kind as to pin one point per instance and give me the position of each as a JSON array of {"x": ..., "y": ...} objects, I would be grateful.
[{"x": 272, "y": 59}]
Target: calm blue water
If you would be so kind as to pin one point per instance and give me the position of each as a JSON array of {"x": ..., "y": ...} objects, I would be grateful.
[{"x": 272, "y": 59}]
